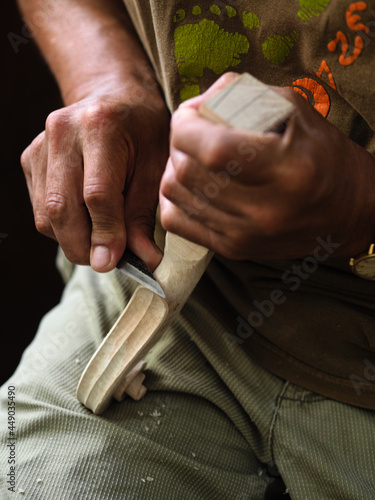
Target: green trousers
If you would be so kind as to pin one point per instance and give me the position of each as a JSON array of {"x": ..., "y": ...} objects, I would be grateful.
[{"x": 213, "y": 425}]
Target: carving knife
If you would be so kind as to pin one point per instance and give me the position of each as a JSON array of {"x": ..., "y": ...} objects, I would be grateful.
[{"x": 134, "y": 267}]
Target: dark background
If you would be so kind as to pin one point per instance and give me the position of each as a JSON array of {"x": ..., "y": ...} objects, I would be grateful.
[{"x": 30, "y": 284}]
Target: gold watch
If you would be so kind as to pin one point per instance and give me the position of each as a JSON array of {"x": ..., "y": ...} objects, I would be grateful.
[{"x": 364, "y": 265}]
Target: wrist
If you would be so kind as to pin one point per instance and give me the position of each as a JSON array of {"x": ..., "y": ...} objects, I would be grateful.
[
  {"x": 128, "y": 87},
  {"x": 101, "y": 59}
]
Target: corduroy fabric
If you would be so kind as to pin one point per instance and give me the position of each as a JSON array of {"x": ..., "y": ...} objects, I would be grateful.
[{"x": 213, "y": 425}]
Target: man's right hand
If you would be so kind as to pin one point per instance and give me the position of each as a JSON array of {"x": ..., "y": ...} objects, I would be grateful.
[{"x": 93, "y": 176}]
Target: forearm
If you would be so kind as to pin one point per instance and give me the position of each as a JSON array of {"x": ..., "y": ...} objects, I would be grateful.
[{"x": 90, "y": 45}]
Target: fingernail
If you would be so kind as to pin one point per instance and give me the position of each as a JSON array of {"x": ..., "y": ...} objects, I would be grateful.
[{"x": 101, "y": 257}]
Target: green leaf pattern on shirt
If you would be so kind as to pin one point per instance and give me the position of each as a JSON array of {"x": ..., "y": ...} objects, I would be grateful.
[{"x": 206, "y": 45}]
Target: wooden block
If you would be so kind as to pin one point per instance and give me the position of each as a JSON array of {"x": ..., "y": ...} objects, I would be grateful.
[
  {"x": 248, "y": 104},
  {"x": 116, "y": 367}
]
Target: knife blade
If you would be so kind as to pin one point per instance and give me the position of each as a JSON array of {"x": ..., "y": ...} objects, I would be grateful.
[{"x": 133, "y": 266}]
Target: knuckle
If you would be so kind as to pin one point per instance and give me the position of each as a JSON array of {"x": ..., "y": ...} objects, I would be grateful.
[
  {"x": 56, "y": 122},
  {"x": 56, "y": 206},
  {"x": 301, "y": 175},
  {"x": 168, "y": 184},
  {"x": 168, "y": 187},
  {"x": 271, "y": 223},
  {"x": 215, "y": 153},
  {"x": 25, "y": 160},
  {"x": 169, "y": 220},
  {"x": 38, "y": 142},
  {"x": 300, "y": 178},
  {"x": 97, "y": 195},
  {"x": 183, "y": 169},
  {"x": 42, "y": 224},
  {"x": 32, "y": 152},
  {"x": 97, "y": 113}
]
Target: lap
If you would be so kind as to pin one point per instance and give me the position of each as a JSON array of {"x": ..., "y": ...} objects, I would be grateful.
[
  {"x": 212, "y": 425},
  {"x": 177, "y": 442}
]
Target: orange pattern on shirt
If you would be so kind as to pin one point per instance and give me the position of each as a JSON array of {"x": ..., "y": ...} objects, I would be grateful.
[
  {"x": 344, "y": 59},
  {"x": 321, "y": 98},
  {"x": 319, "y": 93},
  {"x": 352, "y": 19}
]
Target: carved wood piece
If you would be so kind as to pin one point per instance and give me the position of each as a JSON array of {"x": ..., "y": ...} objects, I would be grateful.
[{"x": 140, "y": 325}]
